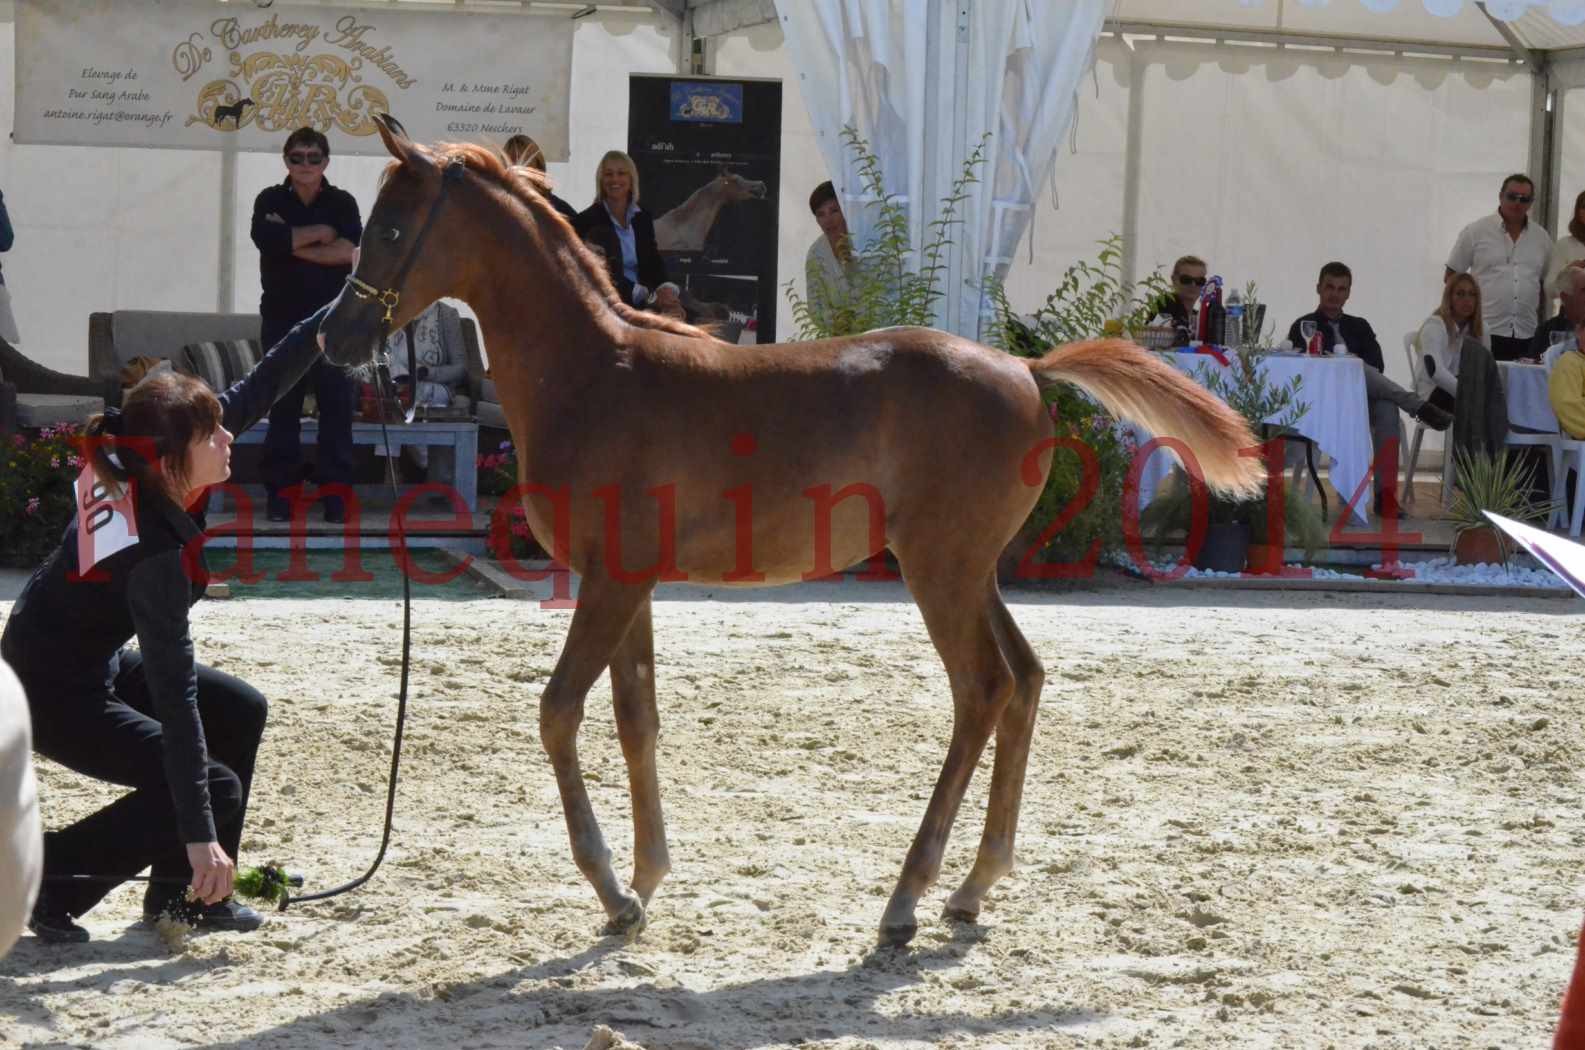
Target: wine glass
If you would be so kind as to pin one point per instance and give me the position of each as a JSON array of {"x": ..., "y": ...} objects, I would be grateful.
[
  {"x": 1559, "y": 342},
  {"x": 1307, "y": 333}
]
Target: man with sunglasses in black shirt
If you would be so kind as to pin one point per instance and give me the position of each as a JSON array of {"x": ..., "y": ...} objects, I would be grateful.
[
  {"x": 1188, "y": 281},
  {"x": 306, "y": 231}
]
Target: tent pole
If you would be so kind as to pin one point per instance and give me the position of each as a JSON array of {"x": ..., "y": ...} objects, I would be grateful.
[
  {"x": 1132, "y": 152},
  {"x": 1541, "y": 160},
  {"x": 955, "y": 321},
  {"x": 1549, "y": 147},
  {"x": 225, "y": 286}
]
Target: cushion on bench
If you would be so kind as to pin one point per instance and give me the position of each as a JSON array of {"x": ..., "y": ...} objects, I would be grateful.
[{"x": 221, "y": 363}]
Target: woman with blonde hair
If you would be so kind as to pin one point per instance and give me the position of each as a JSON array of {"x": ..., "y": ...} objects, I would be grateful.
[
  {"x": 1441, "y": 339},
  {"x": 523, "y": 152},
  {"x": 625, "y": 234}
]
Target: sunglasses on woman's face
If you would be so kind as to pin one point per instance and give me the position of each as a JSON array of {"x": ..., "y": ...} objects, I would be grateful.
[
  {"x": 312, "y": 160},
  {"x": 1185, "y": 280},
  {"x": 1518, "y": 198}
]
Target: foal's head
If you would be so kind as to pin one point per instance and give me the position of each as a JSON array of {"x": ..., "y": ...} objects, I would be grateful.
[{"x": 404, "y": 263}]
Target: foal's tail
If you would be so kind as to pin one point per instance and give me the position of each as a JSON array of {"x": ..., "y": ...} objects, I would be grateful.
[{"x": 1141, "y": 388}]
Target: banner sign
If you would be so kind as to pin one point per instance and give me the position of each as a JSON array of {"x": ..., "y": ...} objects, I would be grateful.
[
  {"x": 708, "y": 154},
  {"x": 195, "y": 74}
]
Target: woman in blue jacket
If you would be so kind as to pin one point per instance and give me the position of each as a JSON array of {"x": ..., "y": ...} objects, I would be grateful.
[{"x": 181, "y": 735}]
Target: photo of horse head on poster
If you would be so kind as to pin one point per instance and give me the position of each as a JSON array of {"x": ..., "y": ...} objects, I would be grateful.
[{"x": 686, "y": 227}]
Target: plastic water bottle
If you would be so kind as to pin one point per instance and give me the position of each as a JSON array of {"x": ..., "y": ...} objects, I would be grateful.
[{"x": 1235, "y": 319}]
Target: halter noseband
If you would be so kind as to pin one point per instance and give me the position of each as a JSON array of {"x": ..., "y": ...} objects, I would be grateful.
[
  {"x": 387, "y": 298},
  {"x": 390, "y": 297}
]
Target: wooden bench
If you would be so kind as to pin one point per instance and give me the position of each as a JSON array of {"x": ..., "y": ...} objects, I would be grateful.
[{"x": 462, "y": 436}]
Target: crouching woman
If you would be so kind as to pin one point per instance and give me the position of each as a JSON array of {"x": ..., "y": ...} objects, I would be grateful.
[{"x": 181, "y": 735}]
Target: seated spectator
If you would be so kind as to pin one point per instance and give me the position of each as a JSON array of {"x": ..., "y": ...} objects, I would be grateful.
[
  {"x": 1566, "y": 387},
  {"x": 830, "y": 262},
  {"x": 436, "y": 339},
  {"x": 1353, "y": 335},
  {"x": 1438, "y": 346},
  {"x": 1176, "y": 305},
  {"x": 522, "y": 151},
  {"x": 1571, "y": 310},
  {"x": 623, "y": 232}
]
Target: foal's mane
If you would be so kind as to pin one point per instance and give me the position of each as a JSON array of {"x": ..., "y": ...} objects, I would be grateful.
[{"x": 530, "y": 188}]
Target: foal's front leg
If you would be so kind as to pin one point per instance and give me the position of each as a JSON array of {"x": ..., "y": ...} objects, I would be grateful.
[{"x": 605, "y": 611}]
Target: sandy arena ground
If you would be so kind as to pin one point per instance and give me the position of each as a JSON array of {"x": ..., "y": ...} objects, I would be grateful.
[{"x": 1250, "y": 821}]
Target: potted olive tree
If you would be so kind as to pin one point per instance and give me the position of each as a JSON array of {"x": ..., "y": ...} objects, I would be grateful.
[{"x": 1232, "y": 525}]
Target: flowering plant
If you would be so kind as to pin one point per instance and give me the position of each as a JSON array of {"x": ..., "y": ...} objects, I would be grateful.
[
  {"x": 36, "y": 494},
  {"x": 509, "y": 531},
  {"x": 497, "y": 470}
]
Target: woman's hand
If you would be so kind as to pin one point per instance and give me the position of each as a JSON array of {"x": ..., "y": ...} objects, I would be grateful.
[{"x": 213, "y": 872}]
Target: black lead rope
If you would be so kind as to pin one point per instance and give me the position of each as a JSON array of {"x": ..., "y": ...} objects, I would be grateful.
[
  {"x": 389, "y": 299},
  {"x": 407, "y": 645}
]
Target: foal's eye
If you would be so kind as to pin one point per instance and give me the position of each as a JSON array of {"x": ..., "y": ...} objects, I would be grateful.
[{"x": 390, "y": 233}]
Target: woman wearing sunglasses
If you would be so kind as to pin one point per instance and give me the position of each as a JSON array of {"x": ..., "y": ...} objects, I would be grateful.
[{"x": 1177, "y": 304}]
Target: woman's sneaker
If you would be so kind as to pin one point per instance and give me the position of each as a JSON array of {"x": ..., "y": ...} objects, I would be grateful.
[
  {"x": 224, "y": 915},
  {"x": 54, "y": 924}
]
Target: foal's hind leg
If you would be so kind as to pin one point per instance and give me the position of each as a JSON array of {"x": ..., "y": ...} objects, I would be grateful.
[
  {"x": 957, "y": 612},
  {"x": 605, "y": 611},
  {"x": 637, "y": 725},
  {"x": 1013, "y": 735}
]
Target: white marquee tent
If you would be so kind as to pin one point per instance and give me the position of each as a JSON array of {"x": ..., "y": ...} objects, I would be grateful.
[{"x": 1267, "y": 135}]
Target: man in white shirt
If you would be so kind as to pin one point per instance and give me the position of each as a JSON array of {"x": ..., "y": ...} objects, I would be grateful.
[
  {"x": 828, "y": 268},
  {"x": 1507, "y": 255},
  {"x": 21, "y": 845}
]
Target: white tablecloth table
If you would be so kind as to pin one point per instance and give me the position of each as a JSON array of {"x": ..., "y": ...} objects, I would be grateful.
[
  {"x": 1336, "y": 417},
  {"x": 1529, "y": 404}
]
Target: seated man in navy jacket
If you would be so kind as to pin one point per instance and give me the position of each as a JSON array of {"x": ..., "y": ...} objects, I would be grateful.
[{"x": 1345, "y": 333}]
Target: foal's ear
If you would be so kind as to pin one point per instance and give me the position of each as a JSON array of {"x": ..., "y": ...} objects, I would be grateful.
[{"x": 395, "y": 138}]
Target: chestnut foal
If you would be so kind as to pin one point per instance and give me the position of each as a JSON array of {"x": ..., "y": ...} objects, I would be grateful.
[{"x": 645, "y": 442}]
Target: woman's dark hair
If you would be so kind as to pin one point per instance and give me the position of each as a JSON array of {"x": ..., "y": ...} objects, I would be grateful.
[
  {"x": 307, "y": 137},
  {"x": 158, "y": 421},
  {"x": 822, "y": 193},
  {"x": 1576, "y": 227}
]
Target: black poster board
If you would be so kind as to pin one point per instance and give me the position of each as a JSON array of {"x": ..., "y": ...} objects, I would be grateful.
[{"x": 708, "y": 153}]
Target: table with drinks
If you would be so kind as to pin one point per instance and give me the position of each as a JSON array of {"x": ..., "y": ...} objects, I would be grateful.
[{"x": 1336, "y": 417}]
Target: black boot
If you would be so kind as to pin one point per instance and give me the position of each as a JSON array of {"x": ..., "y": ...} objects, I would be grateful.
[{"x": 52, "y": 923}]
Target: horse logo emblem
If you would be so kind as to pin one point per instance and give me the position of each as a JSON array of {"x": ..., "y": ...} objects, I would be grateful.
[{"x": 234, "y": 111}]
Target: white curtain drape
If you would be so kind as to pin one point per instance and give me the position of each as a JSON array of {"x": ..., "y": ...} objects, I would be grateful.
[{"x": 924, "y": 83}]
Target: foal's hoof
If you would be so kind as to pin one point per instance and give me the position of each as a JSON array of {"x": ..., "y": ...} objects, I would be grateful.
[
  {"x": 960, "y": 914},
  {"x": 897, "y": 935},
  {"x": 629, "y": 922}
]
